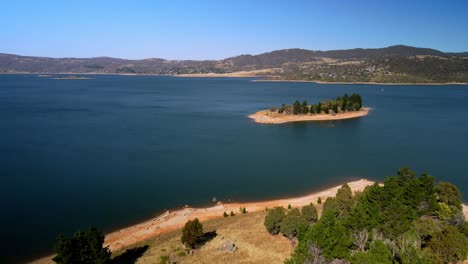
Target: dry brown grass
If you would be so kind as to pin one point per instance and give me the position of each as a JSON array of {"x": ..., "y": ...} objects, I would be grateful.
[{"x": 254, "y": 243}]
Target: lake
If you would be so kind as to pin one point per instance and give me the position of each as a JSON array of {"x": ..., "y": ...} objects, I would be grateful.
[{"x": 114, "y": 150}]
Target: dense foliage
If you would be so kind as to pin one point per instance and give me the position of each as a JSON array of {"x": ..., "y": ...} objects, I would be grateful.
[
  {"x": 84, "y": 247},
  {"x": 409, "y": 219},
  {"x": 291, "y": 221},
  {"x": 192, "y": 232},
  {"x": 340, "y": 104}
]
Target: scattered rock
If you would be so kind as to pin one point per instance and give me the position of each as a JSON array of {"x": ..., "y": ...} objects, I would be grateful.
[{"x": 228, "y": 247}]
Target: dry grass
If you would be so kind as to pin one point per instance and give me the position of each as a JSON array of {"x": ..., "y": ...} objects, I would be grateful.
[{"x": 254, "y": 243}]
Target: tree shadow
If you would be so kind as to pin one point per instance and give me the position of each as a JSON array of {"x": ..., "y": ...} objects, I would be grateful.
[
  {"x": 205, "y": 238},
  {"x": 130, "y": 256}
]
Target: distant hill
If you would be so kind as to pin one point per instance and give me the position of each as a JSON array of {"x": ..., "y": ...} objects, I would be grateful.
[{"x": 391, "y": 64}]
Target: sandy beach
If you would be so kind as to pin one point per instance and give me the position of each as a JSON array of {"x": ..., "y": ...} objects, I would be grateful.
[
  {"x": 172, "y": 220},
  {"x": 268, "y": 117}
]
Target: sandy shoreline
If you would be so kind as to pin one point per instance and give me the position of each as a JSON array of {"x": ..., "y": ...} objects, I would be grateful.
[
  {"x": 172, "y": 220},
  {"x": 268, "y": 117}
]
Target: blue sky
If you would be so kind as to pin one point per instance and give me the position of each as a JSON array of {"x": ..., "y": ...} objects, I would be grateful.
[{"x": 218, "y": 29}]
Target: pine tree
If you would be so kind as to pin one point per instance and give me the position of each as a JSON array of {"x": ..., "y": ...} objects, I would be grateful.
[{"x": 297, "y": 108}]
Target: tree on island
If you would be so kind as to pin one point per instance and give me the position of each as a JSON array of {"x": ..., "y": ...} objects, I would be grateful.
[
  {"x": 335, "y": 108},
  {"x": 345, "y": 103},
  {"x": 84, "y": 247},
  {"x": 305, "y": 107},
  {"x": 297, "y": 109}
]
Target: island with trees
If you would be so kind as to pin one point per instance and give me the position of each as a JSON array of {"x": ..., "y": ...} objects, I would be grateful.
[{"x": 343, "y": 107}]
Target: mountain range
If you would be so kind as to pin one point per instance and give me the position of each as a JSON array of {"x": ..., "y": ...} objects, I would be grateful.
[{"x": 395, "y": 64}]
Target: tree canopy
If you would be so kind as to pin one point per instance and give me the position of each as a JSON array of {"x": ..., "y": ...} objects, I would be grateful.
[
  {"x": 84, "y": 247},
  {"x": 340, "y": 104},
  {"x": 192, "y": 232},
  {"x": 408, "y": 219}
]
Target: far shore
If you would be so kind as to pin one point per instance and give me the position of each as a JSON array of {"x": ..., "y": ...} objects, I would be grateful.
[
  {"x": 369, "y": 83},
  {"x": 268, "y": 117},
  {"x": 173, "y": 220},
  {"x": 243, "y": 74}
]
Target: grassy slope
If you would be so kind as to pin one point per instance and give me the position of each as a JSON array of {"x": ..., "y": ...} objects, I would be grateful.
[{"x": 254, "y": 243}]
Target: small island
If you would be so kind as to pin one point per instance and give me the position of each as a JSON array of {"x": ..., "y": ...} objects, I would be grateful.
[
  {"x": 344, "y": 107},
  {"x": 71, "y": 77}
]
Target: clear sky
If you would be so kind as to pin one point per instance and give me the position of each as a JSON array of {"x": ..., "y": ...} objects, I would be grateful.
[{"x": 217, "y": 29}]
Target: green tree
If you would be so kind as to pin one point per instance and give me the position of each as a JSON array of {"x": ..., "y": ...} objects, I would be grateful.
[
  {"x": 335, "y": 108},
  {"x": 225, "y": 214},
  {"x": 319, "y": 200},
  {"x": 310, "y": 213},
  {"x": 378, "y": 253},
  {"x": 273, "y": 220},
  {"x": 449, "y": 194},
  {"x": 192, "y": 232},
  {"x": 449, "y": 246},
  {"x": 297, "y": 109},
  {"x": 84, "y": 247},
  {"x": 330, "y": 236},
  {"x": 319, "y": 108},
  {"x": 344, "y": 200},
  {"x": 305, "y": 107},
  {"x": 292, "y": 223}
]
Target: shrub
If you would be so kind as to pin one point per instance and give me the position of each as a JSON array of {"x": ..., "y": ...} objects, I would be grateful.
[
  {"x": 191, "y": 232},
  {"x": 319, "y": 200},
  {"x": 273, "y": 220}
]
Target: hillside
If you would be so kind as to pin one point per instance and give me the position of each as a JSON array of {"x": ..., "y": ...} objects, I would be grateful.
[{"x": 394, "y": 64}]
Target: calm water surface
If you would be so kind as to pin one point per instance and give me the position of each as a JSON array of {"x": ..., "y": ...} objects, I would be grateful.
[{"x": 114, "y": 150}]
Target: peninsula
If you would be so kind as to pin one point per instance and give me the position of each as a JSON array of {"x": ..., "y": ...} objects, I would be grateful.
[{"x": 345, "y": 107}]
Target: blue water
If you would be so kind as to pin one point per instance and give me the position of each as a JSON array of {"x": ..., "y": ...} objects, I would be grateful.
[{"x": 114, "y": 150}]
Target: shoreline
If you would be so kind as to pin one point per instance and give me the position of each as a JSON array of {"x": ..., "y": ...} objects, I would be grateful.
[
  {"x": 365, "y": 83},
  {"x": 173, "y": 220},
  {"x": 244, "y": 74},
  {"x": 263, "y": 117}
]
